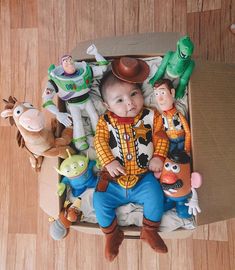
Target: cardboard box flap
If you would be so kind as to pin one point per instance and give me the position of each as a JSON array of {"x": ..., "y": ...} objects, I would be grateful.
[
  {"x": 212, "y": 119},
  {"x": 148, "y": 44}
]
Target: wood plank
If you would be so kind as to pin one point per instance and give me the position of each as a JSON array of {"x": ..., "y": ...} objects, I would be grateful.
[
  {"x": 171, "y": 17},
  {"x": 202, "y": 5},
  {"x": 21, "y": 252},
  {"x": 23, "y": 205},
  {"x": 201, "y": 232},
  {"x": 227, "y": 38},
  {"x": 5, "y": 56},
  {"x": 207, "y": 45},
  {"x": 126, "y": 17},
  {"x": 179, "y": 256},
  {"x": 146, "y": 16},
  {"x": 23, "y": 14},
  {"x": 6, "y": 147},
  {"x": 218, "y": 231},
  {"x": 47, "y": 248},
  {"x": 24, "y": 63},
  {"x": 51, "y": 34},
  {"x": 83, "y": 20},
  {"x": 231, "y": 241}
]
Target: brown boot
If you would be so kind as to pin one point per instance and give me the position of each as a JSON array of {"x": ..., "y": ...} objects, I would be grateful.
[
  {"x": 114, "y": 237},
  {"x": 149, "y": 234}
]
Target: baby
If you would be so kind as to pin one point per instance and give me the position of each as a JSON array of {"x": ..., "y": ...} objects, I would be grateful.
[{"x": 126, "y": 151}]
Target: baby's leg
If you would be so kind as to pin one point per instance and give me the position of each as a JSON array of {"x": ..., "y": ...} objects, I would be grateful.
[
  {"x": 151, "y": 196},
  {"x": 105, "y": 204}
]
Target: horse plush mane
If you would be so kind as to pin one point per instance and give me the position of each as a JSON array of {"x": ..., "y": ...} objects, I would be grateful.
[{"x": 32, "y": 135}]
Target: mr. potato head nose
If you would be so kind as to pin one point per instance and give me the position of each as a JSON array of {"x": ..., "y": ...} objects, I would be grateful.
[{"x": 168, "y": 178}]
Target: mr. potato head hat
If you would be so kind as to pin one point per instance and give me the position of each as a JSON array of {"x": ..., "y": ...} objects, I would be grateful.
[{"x": 130, "y": 69}]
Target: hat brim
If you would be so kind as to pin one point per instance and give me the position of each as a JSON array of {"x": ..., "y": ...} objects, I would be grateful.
[{"x": 138, "y": 78}]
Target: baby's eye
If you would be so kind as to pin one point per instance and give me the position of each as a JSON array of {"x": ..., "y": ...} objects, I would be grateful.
[
  {"x": 167, "y": 166},
  {"x": 175, "y": 168},
  {"x": 134, "y": 93},
  {"x": 119, "y": 100}
]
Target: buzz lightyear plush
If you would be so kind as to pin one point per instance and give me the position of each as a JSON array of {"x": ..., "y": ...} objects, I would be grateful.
[{"x": 71, "y": 81}]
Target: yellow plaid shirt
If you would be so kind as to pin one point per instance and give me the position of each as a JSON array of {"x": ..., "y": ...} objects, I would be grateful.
[
  {"x": 173, "y": 132},
  {"x": 127, "y": 144}
]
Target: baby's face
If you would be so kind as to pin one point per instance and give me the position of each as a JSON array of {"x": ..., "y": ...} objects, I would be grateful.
[{"x": 124, "y": 99}]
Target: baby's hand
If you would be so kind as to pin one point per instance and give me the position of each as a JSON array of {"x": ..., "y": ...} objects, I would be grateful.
[
  {"x": 156, "y": 165},
  {"x": 115, "y": 168}
]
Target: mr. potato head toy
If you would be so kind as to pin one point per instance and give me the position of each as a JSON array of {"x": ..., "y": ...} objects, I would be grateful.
[{"x": 179, "y": 184}]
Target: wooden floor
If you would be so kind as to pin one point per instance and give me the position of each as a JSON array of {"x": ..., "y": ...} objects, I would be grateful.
[{"x": 34, "y": 34}]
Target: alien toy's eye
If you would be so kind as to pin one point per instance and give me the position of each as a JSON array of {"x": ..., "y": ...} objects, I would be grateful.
[
  {"x": 18, "y": 110},
  {"x": 67, "y": 169},
  {"x": 81, "y": 163},
  {"x": 175, "y": 168},
  {"x": 167, "y": 166},
  {"x": 74, "y": 165}
]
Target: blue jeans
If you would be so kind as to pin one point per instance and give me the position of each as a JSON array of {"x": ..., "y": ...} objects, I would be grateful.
[
  {"x": 146, "y": 192},
  {"x": 176, "y": 144},
  {"x": 179, "y": 204}
]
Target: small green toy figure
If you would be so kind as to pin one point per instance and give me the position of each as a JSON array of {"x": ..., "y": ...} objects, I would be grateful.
[
  {"x": 177, "y": 66},
  {"x": 78, "y": 174}
]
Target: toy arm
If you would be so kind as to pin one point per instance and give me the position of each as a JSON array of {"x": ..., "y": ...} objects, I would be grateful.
[
  {"x": 160, "y": 139},
  {"x": 162, "y": 68},
  {"x": 102, "y": 62},
  {"x": 193, "y": 206},
  {"x": 180, "y": 90},
  {"x": 61, "y": 188},
  {"x": 187, "y": 143},
  {"x": 48, "y": 95}
]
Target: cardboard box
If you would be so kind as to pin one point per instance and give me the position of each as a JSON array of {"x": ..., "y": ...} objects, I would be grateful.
[{"x": 212, "y": 119}]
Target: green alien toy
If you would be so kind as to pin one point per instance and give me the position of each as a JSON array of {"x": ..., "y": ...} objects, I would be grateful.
[
  {"x": 78, "y": 174},
  {"x": 177, "y": 65}
]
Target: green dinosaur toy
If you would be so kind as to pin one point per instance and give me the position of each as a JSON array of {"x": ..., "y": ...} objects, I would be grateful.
[{"x": 177, "y": 65}]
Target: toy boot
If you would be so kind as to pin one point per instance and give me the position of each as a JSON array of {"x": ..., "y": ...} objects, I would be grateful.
[
  {"x": 59, "y": 228},
  {"x": 149, "y": 234},
  {"x": 113, "y": 239}
]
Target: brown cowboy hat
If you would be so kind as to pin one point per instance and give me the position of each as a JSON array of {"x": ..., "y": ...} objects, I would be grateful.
[{"x": 130, "y": 69}]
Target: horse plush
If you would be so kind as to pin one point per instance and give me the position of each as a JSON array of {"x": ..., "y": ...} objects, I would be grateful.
[{"x": 32, "y": 135}]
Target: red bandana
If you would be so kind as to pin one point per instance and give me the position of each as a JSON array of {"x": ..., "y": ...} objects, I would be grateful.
[{"x": 123, "y": 120}]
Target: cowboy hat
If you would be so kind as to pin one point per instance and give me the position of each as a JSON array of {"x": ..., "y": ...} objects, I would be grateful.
[{"x": 130, "y": 69}]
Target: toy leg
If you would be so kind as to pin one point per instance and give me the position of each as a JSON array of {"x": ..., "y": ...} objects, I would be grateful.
[
  {"x": 182, "y": 209},
  {"x": 79, "y": 137},
  {"x": 168, "y": 204},
  {"x": 92, "y": 114}
]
